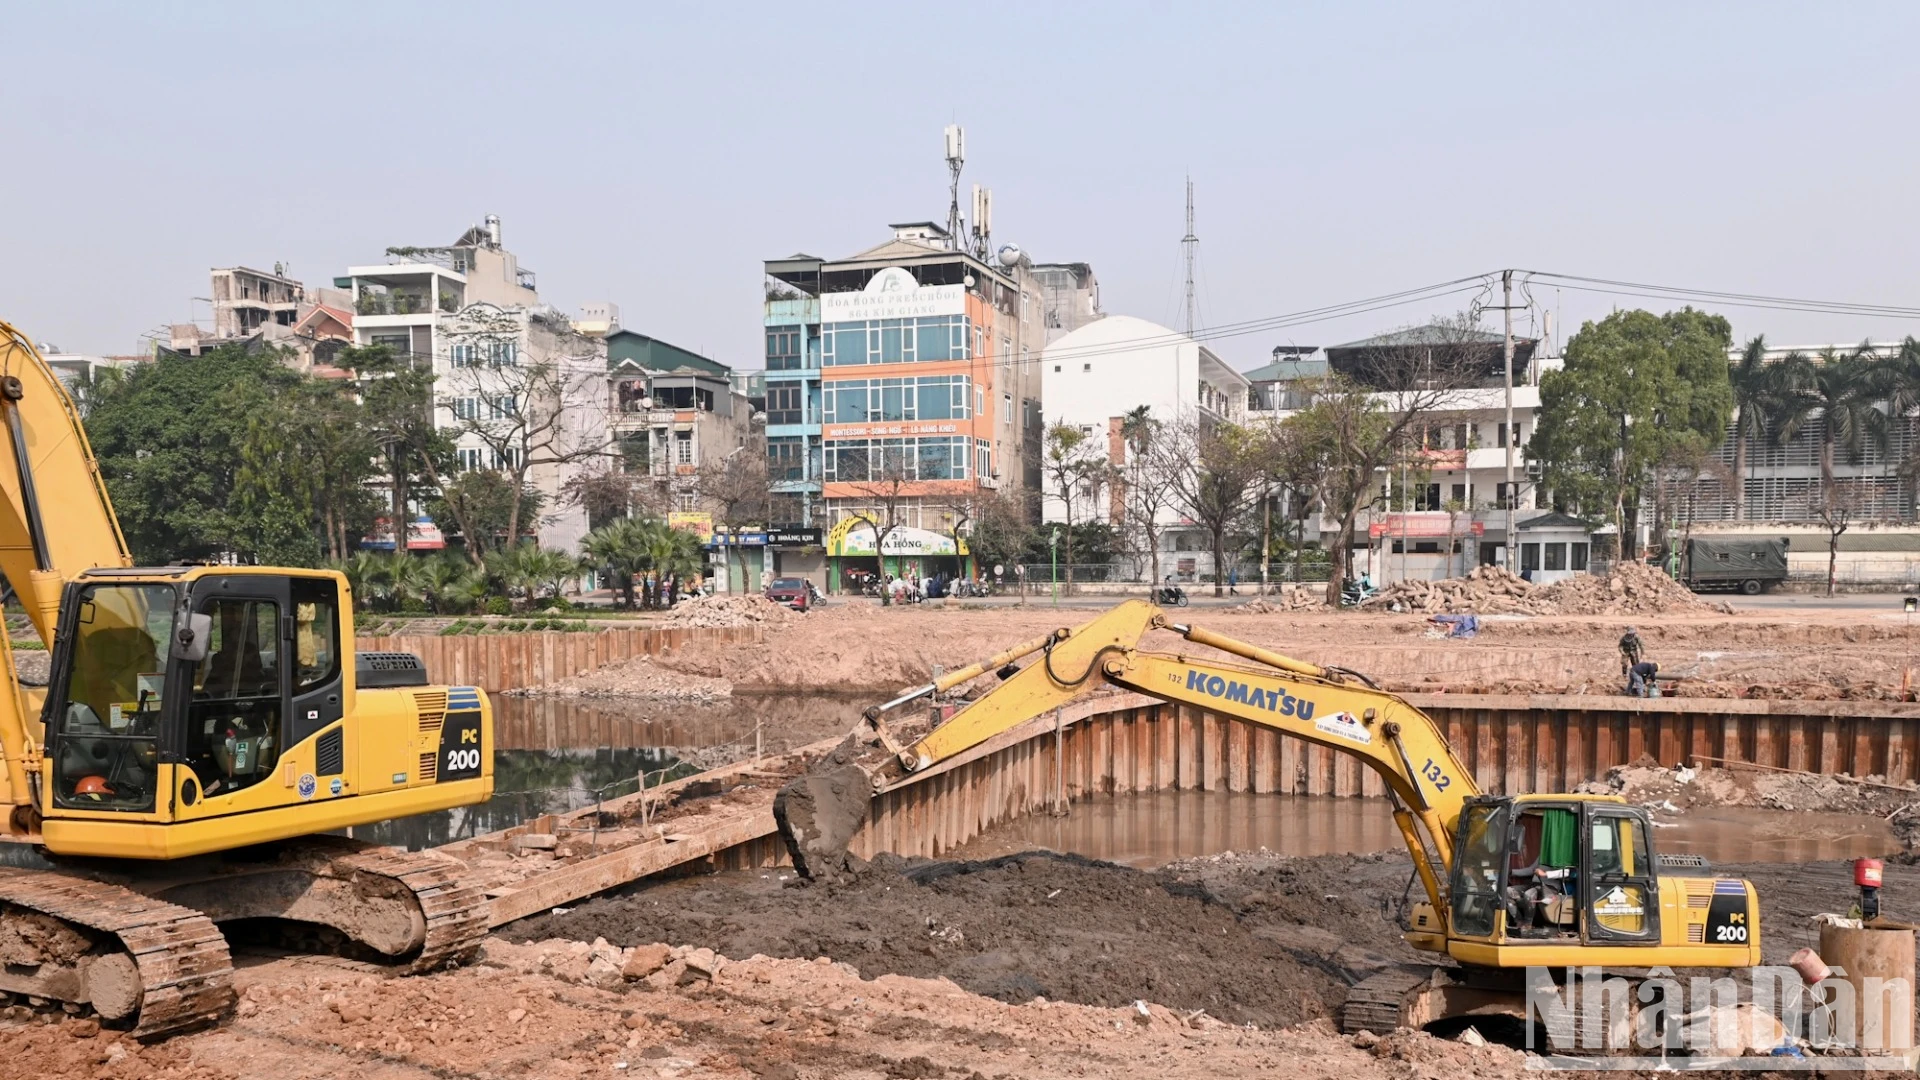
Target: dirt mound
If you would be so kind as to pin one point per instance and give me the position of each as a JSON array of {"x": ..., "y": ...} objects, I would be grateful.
[
  {"x": 1631, "y": 589},
  {"x": 45, "y": 1045},
  {"x": 1038, "y": 925},
  {"x": 721, "y": 610},
  {"x": 640, "y": 677},
  {"x": 1486, "y": 590}
]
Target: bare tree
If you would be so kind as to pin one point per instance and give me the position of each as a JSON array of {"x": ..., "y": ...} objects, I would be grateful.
[
  {"x": 1144, "y": 487},
  {"x": 736, "y": 487},
  {"x": 526, "y": 388},
  {"x": 1835, "y": 507},
  {"x": 1361, "y": 421},
  {"x": 1216, "y": 481},
  {"x": 884, "y": 495},
  {"x": 1069, "y": 462}
]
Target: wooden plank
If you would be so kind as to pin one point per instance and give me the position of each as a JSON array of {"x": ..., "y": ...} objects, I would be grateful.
[
  {"x": 1292, "y": 778},
  {"x": 1186, "y": 747},
  {"x": 590, "y": 876},
  {"x": 1266, "y": 760}
]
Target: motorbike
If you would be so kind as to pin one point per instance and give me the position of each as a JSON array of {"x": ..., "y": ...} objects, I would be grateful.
[
  {"x": 1170, "y": 596},
  {"x": 1354, "y": 593}
]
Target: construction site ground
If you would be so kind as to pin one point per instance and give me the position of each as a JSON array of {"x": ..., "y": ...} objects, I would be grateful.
[
  {"x": 1030, "y": 965},
  {"x": 1817, "y": 653}
]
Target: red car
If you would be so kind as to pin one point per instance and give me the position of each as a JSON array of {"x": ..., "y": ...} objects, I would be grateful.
[{"x": 791, "y": 591}]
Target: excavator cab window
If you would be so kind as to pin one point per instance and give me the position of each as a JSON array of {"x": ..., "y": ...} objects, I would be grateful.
[
  {"x": 232, "y": 735},
  {"x": 108, "y": 721},
  {"x": 1480, "y": 867}
]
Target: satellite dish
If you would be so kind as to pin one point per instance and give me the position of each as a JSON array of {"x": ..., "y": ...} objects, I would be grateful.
[
  {"x": 646, "y": 403},
  {"x": 969, "y": 281},
  {"x": 1011, "y": 255}
]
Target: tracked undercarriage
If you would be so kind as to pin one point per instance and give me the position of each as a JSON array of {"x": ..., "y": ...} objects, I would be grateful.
[{"x": 143, "y": 949}]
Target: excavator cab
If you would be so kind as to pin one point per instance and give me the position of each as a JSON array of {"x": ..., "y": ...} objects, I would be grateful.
[
  {"x": 197, "y": 709},
  {"x": 1554, "y": 869}
]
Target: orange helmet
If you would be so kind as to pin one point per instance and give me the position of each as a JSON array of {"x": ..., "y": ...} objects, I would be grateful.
[{"x": 94, "y": 786}]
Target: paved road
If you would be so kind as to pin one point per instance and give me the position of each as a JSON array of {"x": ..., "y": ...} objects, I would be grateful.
[{"x": 1884, "y": 603}]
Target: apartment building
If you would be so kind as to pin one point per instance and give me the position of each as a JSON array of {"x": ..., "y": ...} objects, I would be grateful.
[
  {"x": 674, "y": 411},
  {"x": 516, "y": 383}
]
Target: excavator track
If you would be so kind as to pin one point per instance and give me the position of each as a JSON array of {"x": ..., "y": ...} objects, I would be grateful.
[
  {"x": 121, "y": 943},
  {"x": 455, "y": 910},
  {"x": 184, "y": 972},
  {"x": 1382, "y": 1001}
]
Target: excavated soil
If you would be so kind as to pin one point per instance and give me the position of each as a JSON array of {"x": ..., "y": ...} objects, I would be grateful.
[
  {"x": 863, "y": 647},
  {"x": 1270, "y": 949}
]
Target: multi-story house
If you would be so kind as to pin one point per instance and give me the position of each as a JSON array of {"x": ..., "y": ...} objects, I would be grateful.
[
  {"x": 518, "y": 388},
  {"x": 902, "y": 384}
]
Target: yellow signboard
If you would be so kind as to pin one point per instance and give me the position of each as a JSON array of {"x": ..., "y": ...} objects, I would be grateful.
[{"x": 696, "y": 522}]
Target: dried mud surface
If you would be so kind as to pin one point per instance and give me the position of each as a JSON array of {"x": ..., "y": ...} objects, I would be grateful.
[{"x": 1269, "y": 949}]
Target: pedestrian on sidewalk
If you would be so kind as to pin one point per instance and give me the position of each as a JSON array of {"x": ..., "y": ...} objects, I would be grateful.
[{"x": 1233, "y": 579}]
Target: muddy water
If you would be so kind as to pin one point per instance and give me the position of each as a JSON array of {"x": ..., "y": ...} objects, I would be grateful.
[
  {"x": 558, "y": 754},
  {"x": 1151, "y": 829}
]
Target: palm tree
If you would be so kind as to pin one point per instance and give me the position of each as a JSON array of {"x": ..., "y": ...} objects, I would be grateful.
[
  {"x": 439, "y": 581},
  {"x": 1843, "y": 389},
  {"x": 1754, "y": 393},
  {"x": 620, "y": 547}
]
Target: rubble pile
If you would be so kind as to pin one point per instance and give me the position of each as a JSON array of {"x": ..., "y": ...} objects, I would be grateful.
[
  {"x": 719, "y": 611},
  {"x": 1287, "y": 596},
  {"x": 640, "y": 677},
  {"x": 1487, "y": 590},
  {"x": 1631, "y": 589}
]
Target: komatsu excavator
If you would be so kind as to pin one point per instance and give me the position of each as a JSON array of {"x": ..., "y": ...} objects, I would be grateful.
[
  {"x": 200, "y": 726},
  {"x": 1544, "y": 881}
]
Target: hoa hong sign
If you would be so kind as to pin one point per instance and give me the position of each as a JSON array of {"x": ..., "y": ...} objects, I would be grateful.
[
  {"x": 853, "y": 536},
  {"x": 893, "y": 294}
]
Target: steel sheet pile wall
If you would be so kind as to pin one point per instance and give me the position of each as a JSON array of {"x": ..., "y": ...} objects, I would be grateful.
[
  {"x": 1512, "y": 744},
  {"x": 496, "y": 662}
]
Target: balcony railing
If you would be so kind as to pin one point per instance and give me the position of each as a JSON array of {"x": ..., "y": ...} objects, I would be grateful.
[{"x": 403, "y": 304}]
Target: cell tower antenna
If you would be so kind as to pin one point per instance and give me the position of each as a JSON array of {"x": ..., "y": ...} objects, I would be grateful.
[
  {"x": 956, "y": 158},
  {"x": 1187, "y": 244}
]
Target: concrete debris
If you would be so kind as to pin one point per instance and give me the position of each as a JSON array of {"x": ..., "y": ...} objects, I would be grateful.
[
  {"x": 722, "y": 610},
  {"x": 1486, "y": 590},
  {"x": 1287, "y": 596}
]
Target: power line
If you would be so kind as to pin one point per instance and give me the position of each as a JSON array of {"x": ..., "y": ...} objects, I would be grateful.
[{"x": 1611, "y": 287}]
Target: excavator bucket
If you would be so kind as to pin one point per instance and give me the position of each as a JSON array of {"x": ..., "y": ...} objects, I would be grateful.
[{"x": 821, "y": 812}]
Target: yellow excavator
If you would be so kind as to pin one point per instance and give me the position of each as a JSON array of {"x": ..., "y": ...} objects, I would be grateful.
[
  {"x": 200, "y": 727},
  {"x": 1544, "y": 881}
]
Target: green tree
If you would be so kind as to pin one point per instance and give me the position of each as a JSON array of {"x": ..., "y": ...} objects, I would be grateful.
[
  {"x": 482, "y": 503},
  {"x": 170, "y": 442},
  {"x": 1843, "y": 389},
  {"x": 628, "y": 546},
  {"x": 305, "y": 453},
  {"x": 396, "y": 408},
  {"x": 1638, "y": 390}
]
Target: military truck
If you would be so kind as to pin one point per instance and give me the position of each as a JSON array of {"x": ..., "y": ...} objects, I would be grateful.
[{"x": 1749, "y": 564}]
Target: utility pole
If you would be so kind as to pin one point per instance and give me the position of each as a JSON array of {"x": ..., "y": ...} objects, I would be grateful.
[
  {"x": 1513, "y": 494},
  {"x": 1187, "y": 244}
]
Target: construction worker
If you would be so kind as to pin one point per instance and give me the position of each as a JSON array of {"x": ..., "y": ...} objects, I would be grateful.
[
  {"x": 1640, "y": 679},
  {"x": 1630, "y": 651}
]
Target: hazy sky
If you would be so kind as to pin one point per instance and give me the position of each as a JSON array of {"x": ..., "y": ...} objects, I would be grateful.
[{"x": 654, "y": 155}]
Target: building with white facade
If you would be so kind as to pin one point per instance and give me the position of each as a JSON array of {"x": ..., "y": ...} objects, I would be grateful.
[
  {"x": 1093, "y": 377},
  {"x": 514, "y": 380}
]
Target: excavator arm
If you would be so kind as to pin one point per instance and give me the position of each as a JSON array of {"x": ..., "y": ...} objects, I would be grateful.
[{"x": 1323, "y": 706}]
